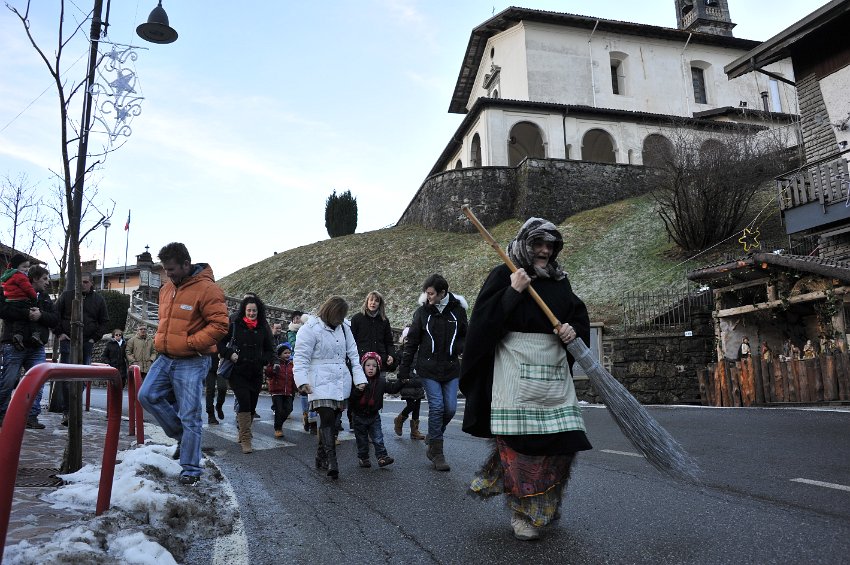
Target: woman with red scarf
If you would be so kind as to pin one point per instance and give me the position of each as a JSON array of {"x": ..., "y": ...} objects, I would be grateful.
[{"x": 249, "y": 345}]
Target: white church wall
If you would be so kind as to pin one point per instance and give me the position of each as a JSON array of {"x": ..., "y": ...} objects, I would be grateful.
[{"x": 549, "y": 63}]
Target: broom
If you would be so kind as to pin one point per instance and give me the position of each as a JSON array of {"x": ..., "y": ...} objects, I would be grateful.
[{"x": 641, "y": 429}]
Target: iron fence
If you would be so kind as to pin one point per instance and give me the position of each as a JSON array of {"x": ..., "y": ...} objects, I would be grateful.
[{"x": 670, "y": 310}]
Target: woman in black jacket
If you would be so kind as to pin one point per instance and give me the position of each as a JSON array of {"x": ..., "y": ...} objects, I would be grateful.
[
  {"x": 249, "y": 345},
  {"x": 115, "y": 354},
  {"x": 371, "y": 329},
  {"x": 436, "y": 341}
]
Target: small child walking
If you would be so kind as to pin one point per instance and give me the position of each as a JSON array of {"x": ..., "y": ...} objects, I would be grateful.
[
  {"x": 19, "y": 293},
  {"x": 365, "y": 410},
  {"x": 281, "y": 387}
]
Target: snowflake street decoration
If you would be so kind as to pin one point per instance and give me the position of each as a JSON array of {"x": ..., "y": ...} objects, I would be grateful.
[
  {"x": 115, "y": 91},
  {"x": 750, "y": 239}
]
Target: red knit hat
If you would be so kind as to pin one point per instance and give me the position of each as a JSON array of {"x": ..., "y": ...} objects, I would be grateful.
[{"x": 371, "y": 355}]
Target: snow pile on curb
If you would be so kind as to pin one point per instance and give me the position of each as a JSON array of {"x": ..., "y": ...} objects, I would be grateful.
[{"x": 152, "y": 518}]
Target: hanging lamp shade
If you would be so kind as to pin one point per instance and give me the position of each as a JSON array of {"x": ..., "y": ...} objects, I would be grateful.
[{"x": 156, "y": 29}]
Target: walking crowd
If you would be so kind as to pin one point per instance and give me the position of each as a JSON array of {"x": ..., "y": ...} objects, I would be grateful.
[{"x": 515, "y": 374}]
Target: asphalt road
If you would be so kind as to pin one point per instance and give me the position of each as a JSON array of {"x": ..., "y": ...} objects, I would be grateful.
[
  {"x": 618, "y": 508},
  {"x": 776, "y": 489}
]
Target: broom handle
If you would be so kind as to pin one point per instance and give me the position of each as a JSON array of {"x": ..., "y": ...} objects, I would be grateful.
[{"x": 489, "y": 239}]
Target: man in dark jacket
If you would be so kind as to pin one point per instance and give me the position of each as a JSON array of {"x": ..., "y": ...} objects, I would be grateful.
[
  {"x": 437, "y": 335},
  {"x": 42, "y": 317},
  {"x": 95, "y": 324}
]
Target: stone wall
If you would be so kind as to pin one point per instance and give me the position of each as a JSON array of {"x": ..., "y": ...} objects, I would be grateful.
[
  {"x": 551, "y": 188},
  {"x": 657, "y": 369},
  {"x": 818, "y": 135}
]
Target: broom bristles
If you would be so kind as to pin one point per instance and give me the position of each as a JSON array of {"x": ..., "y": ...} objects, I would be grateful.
[{"x": 641, "y": 429}]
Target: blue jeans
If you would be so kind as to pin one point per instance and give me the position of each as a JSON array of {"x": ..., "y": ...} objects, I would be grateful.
[
  {"x": 442, "y": 405},
  {"x": 173, "y": 393},
  {"x": 65, "y": 357},
  {"x": 368, "y": 427},
  {"x": 12, "y": 362}
]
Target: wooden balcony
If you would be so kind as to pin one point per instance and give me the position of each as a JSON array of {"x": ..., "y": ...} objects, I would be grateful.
[{"x": 815, "y": 195}]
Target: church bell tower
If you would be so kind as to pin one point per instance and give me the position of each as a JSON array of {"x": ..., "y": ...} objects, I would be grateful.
[{"x": 704, "y": 16}]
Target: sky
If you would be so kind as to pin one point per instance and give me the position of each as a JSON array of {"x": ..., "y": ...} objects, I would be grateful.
[{"x": 260, "y": 110}]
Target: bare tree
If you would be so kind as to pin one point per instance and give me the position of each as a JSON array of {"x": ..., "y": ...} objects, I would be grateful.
[
  {"x": 706, "y": 179},
  {"x": 20, "y": 205},
  {"x": 72, "y": 133}
]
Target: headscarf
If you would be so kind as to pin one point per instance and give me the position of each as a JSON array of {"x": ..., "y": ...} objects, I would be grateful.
[{"x": 522, "y": 254}]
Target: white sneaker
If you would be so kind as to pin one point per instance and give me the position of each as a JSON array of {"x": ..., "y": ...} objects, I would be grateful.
[{"x": 523, "y": 530}]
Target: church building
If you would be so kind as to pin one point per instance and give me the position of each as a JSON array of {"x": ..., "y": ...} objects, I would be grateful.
[{"x": 555, "y": 86}]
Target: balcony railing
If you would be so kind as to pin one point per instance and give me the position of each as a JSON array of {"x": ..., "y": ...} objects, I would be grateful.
[{"x": 826, "y": 182}]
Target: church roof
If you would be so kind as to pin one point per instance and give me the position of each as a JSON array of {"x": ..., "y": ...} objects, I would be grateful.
[
  {"x": 698, "y": 121},
  {"x": 510, "y": 17}
]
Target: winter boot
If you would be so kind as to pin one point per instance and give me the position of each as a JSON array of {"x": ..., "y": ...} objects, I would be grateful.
[
  {"x": 435, "y": 454},
  {"x": 398, "y": 423},
  {"x": 220, "y": 411},
  {"x": 329, "y": 440},
  {"x": 306, "y": 420},
  {"x": 314, "y": 428},
  {"x": 211, "y": 421},
  {"x": 245, "y": 422},
  {"x": 414, "y": 430}
]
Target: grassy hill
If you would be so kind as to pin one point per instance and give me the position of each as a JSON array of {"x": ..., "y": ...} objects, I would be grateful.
[{"x": 607, "y": 251}]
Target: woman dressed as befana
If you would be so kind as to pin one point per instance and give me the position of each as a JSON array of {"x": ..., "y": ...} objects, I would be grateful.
[{"x": 517, "y": 381}]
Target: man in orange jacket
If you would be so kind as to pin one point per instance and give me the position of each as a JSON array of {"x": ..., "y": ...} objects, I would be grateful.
[{"x": 192, "y": 319}]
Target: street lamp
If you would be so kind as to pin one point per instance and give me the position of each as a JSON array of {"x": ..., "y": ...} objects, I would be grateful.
[
  {"x": 106, "y": 225},
  {"x": 156, "y": 29}
]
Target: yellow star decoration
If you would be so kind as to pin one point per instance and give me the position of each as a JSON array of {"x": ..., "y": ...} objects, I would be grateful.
[{"x": 750, "y": 239}]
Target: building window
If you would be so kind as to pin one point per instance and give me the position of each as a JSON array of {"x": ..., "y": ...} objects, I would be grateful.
[
  {"x": 698, "y": 77},
  {"x": 475, "y": 158},
  {"x": 618, "y": 75},
  {"x": 775, "y": 100},
  {"x": 459, "y": 164}
]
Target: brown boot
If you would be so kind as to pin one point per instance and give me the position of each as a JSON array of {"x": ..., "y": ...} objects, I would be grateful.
[
  {"x": 414, "y": 430},
  {"x": 245, "y": 420},
  {"x": 435, "y": 454},
  {"x": 398, "y": 423},
  {"x": 305, "y": 420}
]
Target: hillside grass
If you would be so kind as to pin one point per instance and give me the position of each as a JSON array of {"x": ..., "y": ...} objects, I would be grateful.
[{"x": 607, "y": 251}]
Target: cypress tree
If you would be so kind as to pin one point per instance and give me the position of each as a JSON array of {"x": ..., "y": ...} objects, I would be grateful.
[{"x": 341, "y": 214}]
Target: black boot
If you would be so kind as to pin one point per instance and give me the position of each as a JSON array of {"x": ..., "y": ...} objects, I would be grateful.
[{"x": 329, "y": 440}]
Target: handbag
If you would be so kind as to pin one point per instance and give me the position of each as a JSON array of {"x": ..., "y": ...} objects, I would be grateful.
[{"x": 225, "y": 366}]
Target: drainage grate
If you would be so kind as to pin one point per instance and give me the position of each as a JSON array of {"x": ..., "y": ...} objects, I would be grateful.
[{"x": 38, "y": 477}]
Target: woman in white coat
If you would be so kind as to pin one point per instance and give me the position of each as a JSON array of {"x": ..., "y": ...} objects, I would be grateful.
[{"x": 324, "y": 345}]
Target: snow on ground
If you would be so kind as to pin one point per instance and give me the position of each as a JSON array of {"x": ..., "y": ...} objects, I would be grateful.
[{"x": 152, "y": 518}]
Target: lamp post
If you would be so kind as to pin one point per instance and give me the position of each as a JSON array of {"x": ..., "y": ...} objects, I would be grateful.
[{"x": 106, "y": 225}]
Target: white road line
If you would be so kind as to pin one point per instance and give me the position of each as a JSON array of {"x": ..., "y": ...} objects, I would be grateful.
[
  {"x": 232, "y": 548},
  {"x": 613, "y": 452},
  {"x": 821, "y": 484}
]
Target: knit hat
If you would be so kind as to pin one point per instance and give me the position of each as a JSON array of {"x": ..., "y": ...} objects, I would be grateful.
[
  {"x": 371, "y": 355},
  {"x": 282, "y": 346},
  {"x": 16, "y": 260}
]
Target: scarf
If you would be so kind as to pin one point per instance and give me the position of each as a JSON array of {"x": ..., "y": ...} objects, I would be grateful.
[
  {"x": 521, "y": 252},
  {"x": 252, "y": 324},
  {"x": 367, "y": 401}
]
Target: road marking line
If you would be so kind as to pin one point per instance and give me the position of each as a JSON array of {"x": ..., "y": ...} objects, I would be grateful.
[
  {"x": 231, "y": 548},
  {"x": 629, "y": 453},
  {"x": 821, "y": 484}
]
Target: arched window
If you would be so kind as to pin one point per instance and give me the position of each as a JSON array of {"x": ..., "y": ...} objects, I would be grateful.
[
  {"x": 525, "y": 141},
  {"x": 657, "y": 151},
  {"x": 598, "y": 145},
  {"x": 475, "y": 157},
  {"x": 459, "y": 164},
  {"x": 712, "y": 151}
]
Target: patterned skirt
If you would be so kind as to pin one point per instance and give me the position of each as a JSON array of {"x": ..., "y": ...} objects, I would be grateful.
[
  {"x": 533, "y": 484},
  {"x": 327, "y": 403}
]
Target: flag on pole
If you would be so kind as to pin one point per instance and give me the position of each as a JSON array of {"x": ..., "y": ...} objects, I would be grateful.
[{"x": 127, "y": 225}]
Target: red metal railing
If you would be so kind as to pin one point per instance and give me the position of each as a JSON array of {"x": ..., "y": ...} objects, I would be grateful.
[
  {"x": 134, "y": 407},
  {"x": 12, "y": 434}
]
